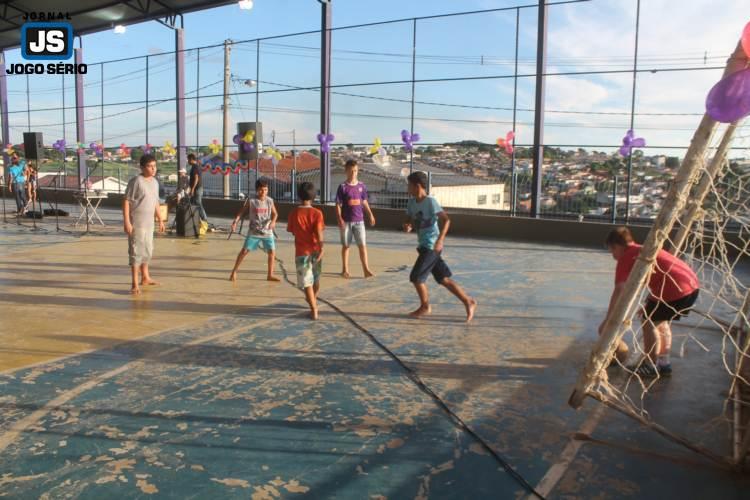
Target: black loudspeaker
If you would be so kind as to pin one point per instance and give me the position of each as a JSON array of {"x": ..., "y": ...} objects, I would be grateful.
[
  {"x": 257, "y": 127},
  {"x": 188, "y": 220},
  {"x": 33, "y": 146}
]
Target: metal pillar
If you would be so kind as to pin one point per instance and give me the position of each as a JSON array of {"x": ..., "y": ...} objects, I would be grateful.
[
  {"x": 179, "y": 37},
  {"x": 515, "y": 103},
  {"x": 632, "y": 110},
  {"x": 80, "y": 132},
  {"x": 225, "y": 112},
  {"x": 198, "y": 100},
  {"x": 413, "y": 84},
  {"x": 147, "y": 106},
  {"x": 4, "y": 108},
  {"x": 325, "y": 95},
  {"x": 541, "y": 68}
]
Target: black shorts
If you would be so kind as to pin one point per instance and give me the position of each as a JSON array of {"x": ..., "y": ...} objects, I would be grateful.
[
  {"x": 429, "y": 261},
  {"x": 658, "y": 311}
]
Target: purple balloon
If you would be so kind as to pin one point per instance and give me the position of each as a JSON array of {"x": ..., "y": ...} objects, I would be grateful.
[
  {"x": 729, "y": 100},
  {"x": 247, "y": 146},
  {"x": 236, "y": 139}
]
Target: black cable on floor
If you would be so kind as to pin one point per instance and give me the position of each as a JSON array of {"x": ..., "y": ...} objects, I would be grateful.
[{"x": 414, "y": 377}]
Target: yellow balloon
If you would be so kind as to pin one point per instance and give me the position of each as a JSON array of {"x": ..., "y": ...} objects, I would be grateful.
[
  {"x": 249, "y": 136},
  {"x": 375, "y": 147}
]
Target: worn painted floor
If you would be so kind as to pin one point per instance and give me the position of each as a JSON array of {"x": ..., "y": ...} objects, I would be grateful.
[{"x": 201, "y": 388}]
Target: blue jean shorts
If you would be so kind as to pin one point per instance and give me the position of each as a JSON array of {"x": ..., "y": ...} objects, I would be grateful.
[
  {"x": 268, "y": 244},
  {"x": 429, "y": 261}
]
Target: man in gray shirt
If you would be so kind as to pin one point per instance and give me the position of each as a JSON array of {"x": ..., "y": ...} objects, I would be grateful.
[{"x": 139, "y": 208}]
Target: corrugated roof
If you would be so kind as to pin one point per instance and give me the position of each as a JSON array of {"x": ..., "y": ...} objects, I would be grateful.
[{"x": 91, "y": 16}]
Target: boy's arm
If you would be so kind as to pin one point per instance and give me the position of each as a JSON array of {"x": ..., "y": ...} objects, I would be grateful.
[
  {"x": 369, "y": 212},
  {"x": 615, "y": 295},
  {"x": 339, "y": 216},
  {"x": 319, "y": 232},
  {"x": 126, "y": 217},
  {"x": 445, "y": 224},
  {"x": 157, "y": 214},
  {"x": 274, "y": 216}
]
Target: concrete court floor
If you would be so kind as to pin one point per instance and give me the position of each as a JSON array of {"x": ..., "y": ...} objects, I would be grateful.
[{"x": 201, "y": 388}]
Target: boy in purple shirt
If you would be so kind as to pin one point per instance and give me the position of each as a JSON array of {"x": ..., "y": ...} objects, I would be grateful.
[{"x": 351, "y": 197}]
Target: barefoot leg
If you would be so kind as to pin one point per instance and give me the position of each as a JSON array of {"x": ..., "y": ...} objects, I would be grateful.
[{"x": 237, "y": 262}]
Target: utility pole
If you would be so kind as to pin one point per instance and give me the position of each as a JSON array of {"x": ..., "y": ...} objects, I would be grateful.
[{"x": 225, "y": 110}]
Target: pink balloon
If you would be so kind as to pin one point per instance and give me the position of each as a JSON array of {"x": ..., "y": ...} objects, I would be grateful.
[
  {"x": 746, "y": 39},
  {"x": 729, "y": 100}
]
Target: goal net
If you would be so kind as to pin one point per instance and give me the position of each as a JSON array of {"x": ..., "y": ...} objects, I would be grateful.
[{"x": 705, "y": 221}]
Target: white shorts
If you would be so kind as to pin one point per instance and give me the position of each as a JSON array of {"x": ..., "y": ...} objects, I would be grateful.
[
  {"x": 140, "y": 246},
  {"x": 353, "y": 231}
]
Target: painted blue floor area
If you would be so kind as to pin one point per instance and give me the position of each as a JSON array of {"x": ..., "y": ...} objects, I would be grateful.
[{"x": 273, "y": 405}]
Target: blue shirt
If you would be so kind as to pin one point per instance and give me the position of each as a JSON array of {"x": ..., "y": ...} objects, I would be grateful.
[
  {"x": 16, "y": 172},
  {"x": 424, "y": 216}
]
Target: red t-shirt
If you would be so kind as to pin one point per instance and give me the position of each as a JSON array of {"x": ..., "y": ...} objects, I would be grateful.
[
  {"x": 303, "y": 223},
  {"x": 670, "y": 280}
]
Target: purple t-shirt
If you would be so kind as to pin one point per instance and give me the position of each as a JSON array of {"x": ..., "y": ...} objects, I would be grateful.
[{"x": 351, "y": 198}]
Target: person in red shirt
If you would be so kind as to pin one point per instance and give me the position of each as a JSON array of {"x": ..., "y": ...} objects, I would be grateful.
[
  {"x": 306, "y": 224},
  {"x": 673, "y": 288}
]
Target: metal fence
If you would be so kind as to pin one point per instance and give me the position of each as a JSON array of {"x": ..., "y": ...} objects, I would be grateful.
[{"x": 385, "y": 76}]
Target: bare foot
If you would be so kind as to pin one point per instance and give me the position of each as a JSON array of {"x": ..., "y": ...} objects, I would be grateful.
[
  {"x": 150, "y": 282},
  {"x": 421, "y": 311},
  {"x": 314, "y": 314},
  {"x": 471, "y": 308},
  {"x": 369, "y": 274},
  {"x": 135, "y": 291},
  {"x": 345, "y": 274},
  {"x": 273, "y": 278},
  {"x": 233, "y": 276}
]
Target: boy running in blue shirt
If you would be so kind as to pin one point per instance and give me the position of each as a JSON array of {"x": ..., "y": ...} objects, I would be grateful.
[{"x": 424, "y": 214}]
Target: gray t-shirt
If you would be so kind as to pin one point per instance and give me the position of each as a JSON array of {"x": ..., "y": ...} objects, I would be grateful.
[
  {"x": 261, "y": 213},
  {"x": 143, "y": 195}
]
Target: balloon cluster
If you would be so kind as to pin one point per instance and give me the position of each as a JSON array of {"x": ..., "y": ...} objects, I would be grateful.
[
  {"x": 507, "y": 142},
  {"x": 214, "y": 147},
  {"x": 629, "y": 142},
  {"x": 9, "y": 149},
  {"x": 729, "y": 100},
  {"x": 147, "y": 149},
  {"x": 97, "y": 147},
  {"x": 168, "y": 149},
  {"x": 245, "y": 142},
  {"x": 325, "y": 141},
  {"x": 123, "y": 151},
  {"x": 273, "y": 154},
  {"x": 59, "y": 145},
  {"x": 409, "y": 139},
  {"x": 80, "y": 148},
  {"x": 377, "y": 148}
]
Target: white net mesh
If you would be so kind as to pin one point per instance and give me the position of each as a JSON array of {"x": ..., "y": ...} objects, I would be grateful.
[{"x": 706, "y": 405}]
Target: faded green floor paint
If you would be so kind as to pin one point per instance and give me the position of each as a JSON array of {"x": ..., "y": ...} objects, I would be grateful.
[{"x": 254, "y": 400}]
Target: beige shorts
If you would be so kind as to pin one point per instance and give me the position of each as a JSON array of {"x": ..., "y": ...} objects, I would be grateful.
[{"x": 140, "y": 246}]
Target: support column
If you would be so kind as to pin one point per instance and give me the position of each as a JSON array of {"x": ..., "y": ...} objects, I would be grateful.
[
  {"x": 4, "y": 109},
  {"x": 179, "y": 37},
  {"x": 325, "y": 95},
  {"x": 541, "y": 69},
  {"x": 80, "y": 133}
]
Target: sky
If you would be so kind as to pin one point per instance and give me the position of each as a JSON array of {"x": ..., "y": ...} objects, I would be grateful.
[{"x": 590, "y": 111}]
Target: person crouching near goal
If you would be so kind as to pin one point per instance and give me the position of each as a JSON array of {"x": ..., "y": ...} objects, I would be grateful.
[{"x": 673, "y": 288}]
